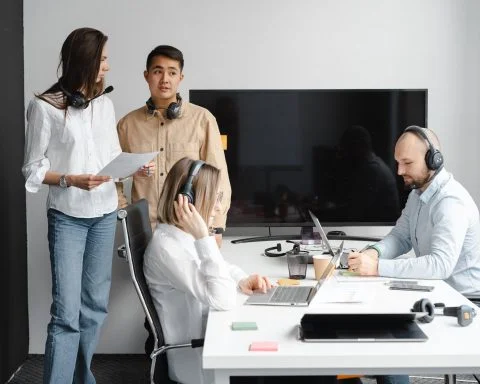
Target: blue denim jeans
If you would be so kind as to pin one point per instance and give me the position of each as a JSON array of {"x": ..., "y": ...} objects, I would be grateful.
[{"x": 81, "y": 252}]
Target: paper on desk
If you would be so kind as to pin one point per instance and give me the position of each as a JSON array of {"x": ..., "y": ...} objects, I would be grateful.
[
  {"x": 126, "y": 164},
  {"x": 349, "y": 277},
  {"x": 350, "y": 293}
]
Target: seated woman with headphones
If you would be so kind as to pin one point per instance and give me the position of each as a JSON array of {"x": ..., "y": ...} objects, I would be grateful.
[{"x": 184, "y": 269}]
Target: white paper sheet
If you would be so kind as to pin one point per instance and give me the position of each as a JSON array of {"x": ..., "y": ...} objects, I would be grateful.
[{"x": 126, "y": 164}]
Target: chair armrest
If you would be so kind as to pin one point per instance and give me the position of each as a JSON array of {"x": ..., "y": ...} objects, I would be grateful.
[{"x": 194, "y": 343}]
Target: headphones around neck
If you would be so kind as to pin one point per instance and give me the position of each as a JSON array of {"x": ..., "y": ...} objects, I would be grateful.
[
  {"x": 187, "y": 188},
  {"x": 463, "y": 313},
  {"x": 75, "y": 99},
  {"x": 173, "y": 110},
  {"x": 433, "y": 157}
]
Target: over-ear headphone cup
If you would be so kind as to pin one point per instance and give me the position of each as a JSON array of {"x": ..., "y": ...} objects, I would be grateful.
[
  {"x": 424, "y": 305},
  {"x": 190, "y": 197},
  {"x": 77, "y": 100},
  {"x": 173, "y": 111},
  {"x": 434, "y": 159}
]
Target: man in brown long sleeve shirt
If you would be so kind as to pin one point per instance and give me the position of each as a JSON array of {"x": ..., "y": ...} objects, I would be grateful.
[{"x": 174, "y": 128}]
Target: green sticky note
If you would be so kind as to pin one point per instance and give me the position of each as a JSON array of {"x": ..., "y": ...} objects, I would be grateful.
[
  {"x": 244, "y": 326},
  {"x": 349, "y": 273}
]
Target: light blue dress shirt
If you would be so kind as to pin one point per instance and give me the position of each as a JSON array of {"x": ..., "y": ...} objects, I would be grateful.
[{"x": 442, "y": 225}]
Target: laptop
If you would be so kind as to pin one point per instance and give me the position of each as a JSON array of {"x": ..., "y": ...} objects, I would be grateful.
[
  {"x": 297, "y": 295},
  {"x": 326, "y": 242},
  {"x": 361, "y": 327}
]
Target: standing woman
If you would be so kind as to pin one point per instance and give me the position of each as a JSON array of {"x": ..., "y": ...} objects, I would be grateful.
[{"x": 70, "y": 137}]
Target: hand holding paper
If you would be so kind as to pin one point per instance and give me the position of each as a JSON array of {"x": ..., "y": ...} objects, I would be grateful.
[{"x": 126, "y": 164}]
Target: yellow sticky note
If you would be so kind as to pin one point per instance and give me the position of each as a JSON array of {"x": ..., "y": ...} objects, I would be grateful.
[
  {"x": 224, "y": 142},
  {"x": 287, "y": 282}
]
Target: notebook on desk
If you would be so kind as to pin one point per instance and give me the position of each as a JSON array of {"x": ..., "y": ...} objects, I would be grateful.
[
  {"x": 296, "y": 295},
  {"x": 361, "y": 327}
]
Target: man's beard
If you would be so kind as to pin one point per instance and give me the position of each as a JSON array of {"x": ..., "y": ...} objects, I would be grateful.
[{"x": 417, "y": 183}]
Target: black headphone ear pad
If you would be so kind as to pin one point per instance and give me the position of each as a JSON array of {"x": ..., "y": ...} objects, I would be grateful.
[
  {"x": 424, "y": 305},
  {"x": 189, "y": 195},
  {"x": 173, "y": 111},
  {"x": 434, "y": 159}
]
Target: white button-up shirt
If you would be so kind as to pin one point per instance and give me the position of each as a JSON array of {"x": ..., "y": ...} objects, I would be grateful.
[
  {"x": 186, "y": 277},
  {"x": 81, "y": 142}
]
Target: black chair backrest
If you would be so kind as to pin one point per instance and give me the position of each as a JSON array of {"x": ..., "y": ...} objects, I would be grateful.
[{"x": 137, "y": 232}]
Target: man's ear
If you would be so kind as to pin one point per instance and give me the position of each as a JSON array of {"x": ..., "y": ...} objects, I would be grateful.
[
  {"x": 182, "y": 76},
  {"x": 145, "y": 75}
]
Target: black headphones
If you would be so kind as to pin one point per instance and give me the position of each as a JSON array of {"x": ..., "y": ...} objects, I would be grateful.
[
  {"x": 77, "y": 99},
  {"x": 173, "y": 110},
  {"x": 278, "y": 248},
  {"x": 433, "y": 157},
  {"x": 187, "y": 188},
  {"x": 296, "y": 250},
  {"x": 463, "y": 313}
]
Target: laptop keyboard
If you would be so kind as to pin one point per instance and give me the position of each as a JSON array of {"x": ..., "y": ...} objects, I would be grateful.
[{"x": 290, "y": 294}]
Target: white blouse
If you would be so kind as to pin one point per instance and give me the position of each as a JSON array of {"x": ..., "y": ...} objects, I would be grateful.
[
  {"x": 187, "y": 277},
  {"x": 82, "y": 142}
]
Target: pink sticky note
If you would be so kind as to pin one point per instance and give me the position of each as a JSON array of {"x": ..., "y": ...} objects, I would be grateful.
[{"x": 264, "y": 346}]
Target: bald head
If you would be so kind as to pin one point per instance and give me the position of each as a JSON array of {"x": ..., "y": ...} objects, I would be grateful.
[
  {"x": 410, "y": 152},
  {"x": 412, "y": 135}
]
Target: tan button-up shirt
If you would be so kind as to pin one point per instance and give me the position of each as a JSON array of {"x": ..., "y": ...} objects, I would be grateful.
[{"x": 194, "y": 134}]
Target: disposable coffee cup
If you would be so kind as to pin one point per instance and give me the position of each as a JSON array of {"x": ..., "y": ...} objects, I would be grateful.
[{"x": 320, "y": 263}]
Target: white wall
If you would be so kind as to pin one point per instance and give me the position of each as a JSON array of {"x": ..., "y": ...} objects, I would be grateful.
[{"x": 250, "y": 44}]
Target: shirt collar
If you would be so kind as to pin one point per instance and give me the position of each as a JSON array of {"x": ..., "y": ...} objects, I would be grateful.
[
  {"x": 437, "y": 183},
  {"x": 149, "y": 114}
]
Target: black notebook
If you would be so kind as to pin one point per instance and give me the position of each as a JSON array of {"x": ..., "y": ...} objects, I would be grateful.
[{"x": 361, "y": 327}]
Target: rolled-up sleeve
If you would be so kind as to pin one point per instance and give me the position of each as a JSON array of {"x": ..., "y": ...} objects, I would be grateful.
[{"x": 36, "y": 164}]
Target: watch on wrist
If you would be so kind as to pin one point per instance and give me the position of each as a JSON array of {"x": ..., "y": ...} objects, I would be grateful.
[
  {"x": 63, "y": 181},
  {"x": 218, "y": 230}
]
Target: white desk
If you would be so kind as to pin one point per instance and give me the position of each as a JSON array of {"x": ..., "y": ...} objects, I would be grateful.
[{"x": 450, "y": 348}]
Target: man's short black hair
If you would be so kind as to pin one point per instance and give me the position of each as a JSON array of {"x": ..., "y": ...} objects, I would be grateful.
[{"x": 167, "y": 51}]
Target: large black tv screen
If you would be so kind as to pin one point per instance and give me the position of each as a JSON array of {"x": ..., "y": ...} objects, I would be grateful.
[{"x": 329, "y": 151}]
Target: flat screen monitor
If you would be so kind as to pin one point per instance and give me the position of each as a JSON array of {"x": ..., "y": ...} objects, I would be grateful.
[{"x": 328, "y": 151}]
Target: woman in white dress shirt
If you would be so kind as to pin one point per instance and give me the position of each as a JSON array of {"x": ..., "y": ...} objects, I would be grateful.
[
  {"x": 184, "y": 268},
  {"x": 70, "y": 137}
]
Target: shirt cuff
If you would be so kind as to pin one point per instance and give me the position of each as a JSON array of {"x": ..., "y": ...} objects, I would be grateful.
[{"x": 386, "y": 268}]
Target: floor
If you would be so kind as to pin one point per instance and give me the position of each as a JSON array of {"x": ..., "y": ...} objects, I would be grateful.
[{"x": 134, "y": 369}]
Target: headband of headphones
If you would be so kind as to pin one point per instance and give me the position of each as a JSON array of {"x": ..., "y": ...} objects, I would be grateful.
[
  {"x": 173, "y": 110},
  {"x": 433, "y": 157},
  {"x": 187, "y": 188}
]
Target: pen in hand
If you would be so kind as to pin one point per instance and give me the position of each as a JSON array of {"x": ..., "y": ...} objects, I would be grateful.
[{"x": 364, "y": 248}]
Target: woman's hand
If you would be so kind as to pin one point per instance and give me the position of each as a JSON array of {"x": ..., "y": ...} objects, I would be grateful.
[
  {"x": 86, "y": 181},
  {"x": 189, "y": 219},
  {"x": 254, "y": 283}
]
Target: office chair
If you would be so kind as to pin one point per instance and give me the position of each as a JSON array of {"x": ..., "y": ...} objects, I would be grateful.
[{"x": 137, "y": 233}]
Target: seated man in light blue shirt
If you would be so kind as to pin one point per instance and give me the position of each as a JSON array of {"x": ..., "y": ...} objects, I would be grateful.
[{"x": 440, "y": 222}]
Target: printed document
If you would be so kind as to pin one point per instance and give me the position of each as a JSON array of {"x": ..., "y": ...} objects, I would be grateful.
[{"x": 126, "y": 164}]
